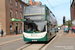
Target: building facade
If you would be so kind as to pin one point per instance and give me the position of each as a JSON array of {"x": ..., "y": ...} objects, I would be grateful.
[
  {"x": 32, "y": 2},
  {"x": 11, "y": 16},
  {"x": 73, "y": 10}
]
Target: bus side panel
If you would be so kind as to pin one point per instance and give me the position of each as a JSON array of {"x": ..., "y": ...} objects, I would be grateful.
[{"x": 41, "y": 39}]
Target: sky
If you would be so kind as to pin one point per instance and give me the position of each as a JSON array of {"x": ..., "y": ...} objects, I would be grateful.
[{"x": 59, "y": 8}]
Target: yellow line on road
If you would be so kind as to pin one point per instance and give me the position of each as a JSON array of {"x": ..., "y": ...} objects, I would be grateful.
[{"x": 60, "y": 34}]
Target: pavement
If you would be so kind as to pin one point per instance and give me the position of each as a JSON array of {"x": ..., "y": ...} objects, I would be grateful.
[
  {"x": 10, "y": 35},
  {"x": 70, "y": 34},
  {"x": 64, "y": 41}
]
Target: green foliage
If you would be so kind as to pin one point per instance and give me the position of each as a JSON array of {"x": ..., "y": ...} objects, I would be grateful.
[{"x": 68, "y": 23}]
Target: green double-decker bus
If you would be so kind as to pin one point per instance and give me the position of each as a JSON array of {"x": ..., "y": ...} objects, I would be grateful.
[{"x": 38, "y": 23}]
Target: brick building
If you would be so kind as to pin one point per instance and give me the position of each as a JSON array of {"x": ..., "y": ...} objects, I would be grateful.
[
  {"x": 73, "y": 10},
  {"x": 11, "y": 15}
]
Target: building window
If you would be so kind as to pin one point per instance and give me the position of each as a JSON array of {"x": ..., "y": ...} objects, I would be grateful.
[
  {"x": 20, "y": 15},
  {"x": 11, "y": 13},
  {"x": 20, "y": 6},
  {"x": 16, "y": 24},
  {"x": 11, "y": 27},
  {"x": 29, "y": 1},
  {"x": 16, "y": 14},
  {"x": 74, "y": 5},
  {"x": 26, "y": 0},
  {"x": 10, "y": 2},
  {"x": 16, "y": 3}
]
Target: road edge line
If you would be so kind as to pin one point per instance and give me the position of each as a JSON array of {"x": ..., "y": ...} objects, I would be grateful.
[
  {"x": 48, "y": 43},
  {"x": 11, "y": 41}
]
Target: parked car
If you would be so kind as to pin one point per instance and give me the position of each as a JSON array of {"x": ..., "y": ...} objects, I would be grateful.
[{"x": 59, "y": 27}]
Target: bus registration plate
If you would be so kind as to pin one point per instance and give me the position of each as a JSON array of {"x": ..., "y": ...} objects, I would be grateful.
[{"x": 34, "y": 40}]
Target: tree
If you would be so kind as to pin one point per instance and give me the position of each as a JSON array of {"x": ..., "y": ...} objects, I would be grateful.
[{"x": 68, "y": 23}]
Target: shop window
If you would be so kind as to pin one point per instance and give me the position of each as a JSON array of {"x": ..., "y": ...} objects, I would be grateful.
[
  {"x": 11, "y": 27},
  {"x": 74, "y": 6},
  {"x": 16, "y": 24}
]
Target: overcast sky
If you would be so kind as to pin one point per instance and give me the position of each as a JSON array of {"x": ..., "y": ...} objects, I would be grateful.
[{"x": 59, "y": 7}]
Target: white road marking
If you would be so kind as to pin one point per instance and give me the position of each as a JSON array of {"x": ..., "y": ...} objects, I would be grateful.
[{"x": 11, "y": 41}]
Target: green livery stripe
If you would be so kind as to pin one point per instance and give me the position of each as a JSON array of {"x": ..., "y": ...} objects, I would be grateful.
[{"x": 41, "y": 39}]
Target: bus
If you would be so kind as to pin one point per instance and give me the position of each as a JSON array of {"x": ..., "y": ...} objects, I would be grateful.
[{"x": 38, "y": 23}]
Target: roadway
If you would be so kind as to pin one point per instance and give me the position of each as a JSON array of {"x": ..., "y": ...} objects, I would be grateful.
[{"x": 10, "y": 43}]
